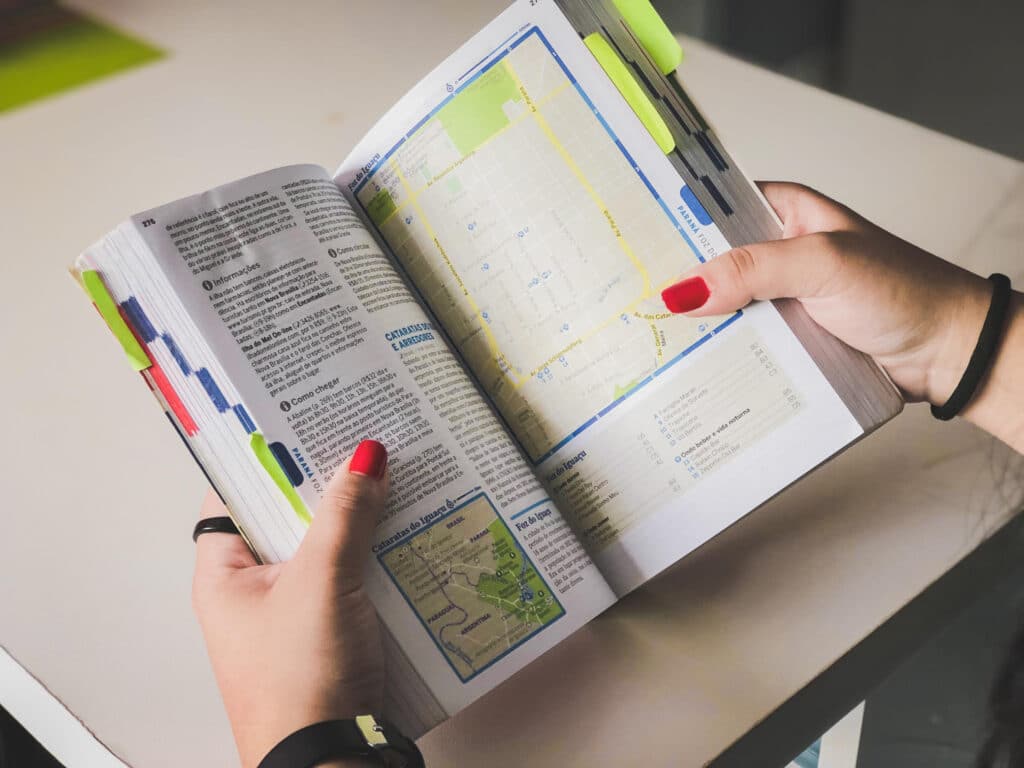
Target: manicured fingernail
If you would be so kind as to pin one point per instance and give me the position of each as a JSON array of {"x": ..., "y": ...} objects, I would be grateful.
[
  {"x": 686, "y": 295},
  {"x": 370, "y": 459}
]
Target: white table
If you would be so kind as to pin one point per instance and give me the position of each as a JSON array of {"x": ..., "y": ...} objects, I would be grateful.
[{"x": 95, "y": 555}]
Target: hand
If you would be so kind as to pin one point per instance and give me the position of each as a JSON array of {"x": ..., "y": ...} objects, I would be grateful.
[
  {"x": 296, "y": 643},
  {"x": 917, "y": 315}
]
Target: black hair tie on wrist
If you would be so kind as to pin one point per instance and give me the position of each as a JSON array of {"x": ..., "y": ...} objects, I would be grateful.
[
  {"x": 984, "y": 351},
  {"x": 214, "y": 525}
]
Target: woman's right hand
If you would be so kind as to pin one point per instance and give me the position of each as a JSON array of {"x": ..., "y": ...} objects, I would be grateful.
[{"x": 917, "y": 315}]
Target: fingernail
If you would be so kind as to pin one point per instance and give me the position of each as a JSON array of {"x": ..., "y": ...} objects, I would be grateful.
[
  {"x": 686, "y": 295},
  {"x": 370, "y": 459}
]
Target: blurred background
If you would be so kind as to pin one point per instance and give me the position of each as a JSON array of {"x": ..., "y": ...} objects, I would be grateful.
[{"x": 952, "y": 66}]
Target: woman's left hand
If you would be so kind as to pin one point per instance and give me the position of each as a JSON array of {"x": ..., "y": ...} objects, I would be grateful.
[{"x": 296, "y": 643}]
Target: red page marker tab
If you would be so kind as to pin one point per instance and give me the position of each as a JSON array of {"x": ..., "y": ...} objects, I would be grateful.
[
  {"x": 161, "y": 382},
  {"x": 174, "y": 402}
]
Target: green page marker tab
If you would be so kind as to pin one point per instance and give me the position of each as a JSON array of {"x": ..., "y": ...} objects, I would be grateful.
[
  {"x": 108, "y": 310},
  {"x": 259, "y": 446},
  {"x": 652, "y": 33},
  {"x": 630, "y": 89}
]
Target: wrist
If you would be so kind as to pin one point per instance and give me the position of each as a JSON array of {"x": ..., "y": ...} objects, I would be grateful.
[
  {"x": 995, "y": 406},
  {"x": 365, "y": 740},
  {"x": 963, "y": 318},
  {"x": 261, "y": 725}
]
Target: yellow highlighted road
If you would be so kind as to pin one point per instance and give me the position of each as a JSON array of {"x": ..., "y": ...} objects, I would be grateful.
[
  {"x": 411, "y": 199},
  {"x": 571, "y": 164},
  {"x": 492, "y": 342}
]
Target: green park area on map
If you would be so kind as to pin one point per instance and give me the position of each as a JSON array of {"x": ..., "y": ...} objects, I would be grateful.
[
  {"x": 479, "y": 111},
  {"x": 381, "y": 206}
]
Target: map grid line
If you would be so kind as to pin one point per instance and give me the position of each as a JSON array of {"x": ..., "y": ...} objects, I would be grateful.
[{"x": 499, "y": 55}]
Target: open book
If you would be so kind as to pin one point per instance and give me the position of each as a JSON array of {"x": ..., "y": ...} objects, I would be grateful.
[{"x": 477, "y": 287}]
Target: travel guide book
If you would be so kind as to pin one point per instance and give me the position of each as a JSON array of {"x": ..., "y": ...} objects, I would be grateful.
[{"x": 478, "y": 286}]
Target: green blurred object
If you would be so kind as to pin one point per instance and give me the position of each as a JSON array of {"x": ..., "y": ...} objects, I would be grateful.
[{"x": 62, "y": 51}]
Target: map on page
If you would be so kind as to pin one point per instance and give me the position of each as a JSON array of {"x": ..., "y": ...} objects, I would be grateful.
[
  {"x": 472, "y": 586},
  {"x": 555, "y": 307}
]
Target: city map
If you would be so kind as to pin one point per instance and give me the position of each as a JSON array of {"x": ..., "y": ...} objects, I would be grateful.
[
  {"x": 538, "y": 245},
  {"x": 472, "y": 586}
]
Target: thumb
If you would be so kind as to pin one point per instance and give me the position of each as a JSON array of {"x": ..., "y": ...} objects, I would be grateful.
[
  {"x": 798, "y": 267},
  {"x": 339, "y": 536}
]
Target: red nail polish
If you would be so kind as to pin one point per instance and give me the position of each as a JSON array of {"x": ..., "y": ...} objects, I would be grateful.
[
  {"x": 370, "y": 459},
  {"x": 686, "y": 295}
]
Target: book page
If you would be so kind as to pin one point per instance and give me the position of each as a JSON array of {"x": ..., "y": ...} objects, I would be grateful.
[
  {"x": 313, "y": 332},
  {"x": 540, "y": 221}
]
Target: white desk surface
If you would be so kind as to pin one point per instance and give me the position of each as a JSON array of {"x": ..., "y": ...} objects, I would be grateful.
[{"x": 95, "y": 555}]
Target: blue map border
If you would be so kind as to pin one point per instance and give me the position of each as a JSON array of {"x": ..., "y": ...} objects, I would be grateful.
[
  {"x": 500, "y": 53},
  {"x": 522, "y": 550}
]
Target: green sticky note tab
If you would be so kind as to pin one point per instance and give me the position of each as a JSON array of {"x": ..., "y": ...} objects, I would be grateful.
[
  {"x": 652, "y": 33},
  {"x": 630, "y": 89},
  {"x": 59, "y": 50},
  {"x": 109, "y": 312},
  {"x": 268, "y": 461}
]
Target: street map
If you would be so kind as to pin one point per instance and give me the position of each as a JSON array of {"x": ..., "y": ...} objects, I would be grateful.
[{"x": 537, "y": 244}]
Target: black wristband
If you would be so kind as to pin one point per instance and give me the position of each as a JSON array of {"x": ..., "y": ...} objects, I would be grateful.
[
  {"x": 984, "y": 351},
  {"x": 221, "y": 524},
  {"x": 365, "y": 736}
]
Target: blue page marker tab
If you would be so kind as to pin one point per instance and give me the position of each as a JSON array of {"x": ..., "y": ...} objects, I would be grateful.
[
  {"x": 176, "y": 353},
  {"x": 139, "y": 320},
  {"x": 243, "y": 418},
  {"x": 694, "y": 205},
  {"x": 284, "y": 458},
  {"x": 216, "y": 396},
  {"x": 709, "y": 185}
]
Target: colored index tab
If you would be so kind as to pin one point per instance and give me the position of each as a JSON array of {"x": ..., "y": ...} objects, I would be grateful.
[
  {"x": 656, "y": 38},
  {"x": 631, "y": 91},
  {"x": 269, "y": 462},
  {"x": 694, "y": 205},
  {"x": 109, "y": 312}
]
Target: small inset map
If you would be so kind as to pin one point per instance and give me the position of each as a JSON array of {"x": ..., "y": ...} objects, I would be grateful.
[{"x": 472, "y": 586}]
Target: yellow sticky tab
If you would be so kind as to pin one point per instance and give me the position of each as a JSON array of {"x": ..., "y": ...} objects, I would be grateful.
[
  {"x": 630, "y": 89},
  {"x": 108, "y": 310},
  {"x": 652, "y": 33},
  {"x": 268, "y": 461}
]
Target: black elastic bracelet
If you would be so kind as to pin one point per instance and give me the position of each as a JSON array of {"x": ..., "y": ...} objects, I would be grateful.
[
  {"x": 214, "y": 525},
  {"x": 365, "y": 736},
  {"x": 981, "y": 358}
]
